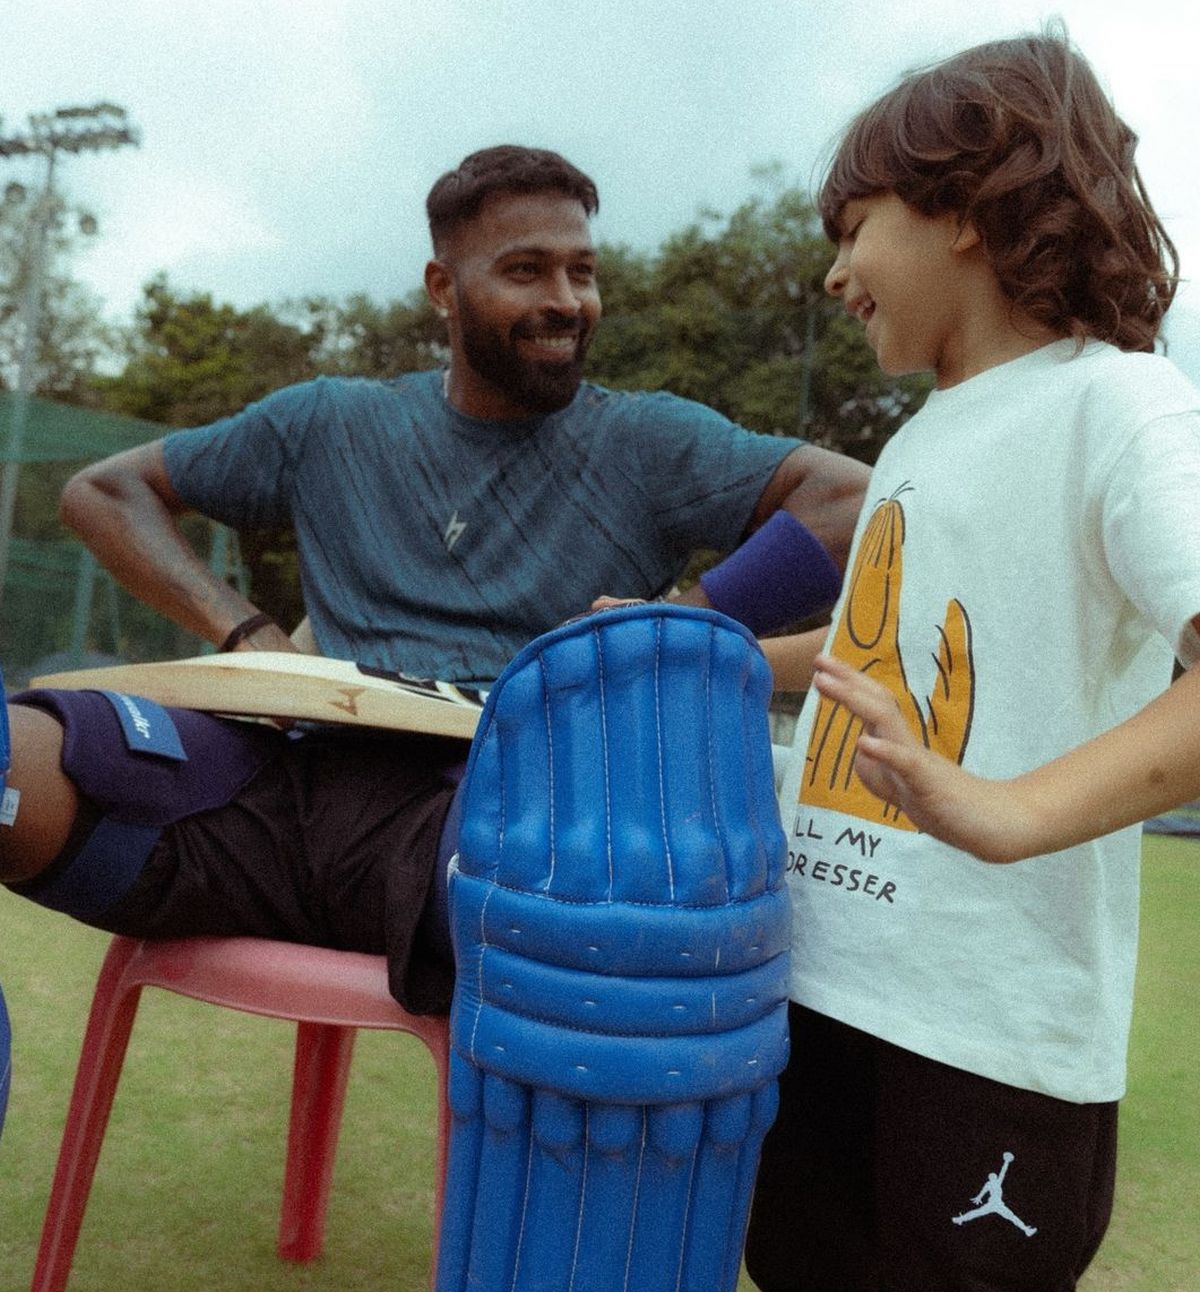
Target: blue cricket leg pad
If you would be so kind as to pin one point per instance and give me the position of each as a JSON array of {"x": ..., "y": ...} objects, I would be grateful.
[
  {"x": 5, "y": 1058},
  {"x": 5, "y": 1026},
  {"x": 621, "y": 936}
]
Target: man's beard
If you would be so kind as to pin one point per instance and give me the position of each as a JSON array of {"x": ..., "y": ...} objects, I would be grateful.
[{"x": 539, "y": 387}]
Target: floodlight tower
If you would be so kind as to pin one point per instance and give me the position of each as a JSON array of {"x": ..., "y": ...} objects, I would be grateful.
[{"x": 65, "y": 130}]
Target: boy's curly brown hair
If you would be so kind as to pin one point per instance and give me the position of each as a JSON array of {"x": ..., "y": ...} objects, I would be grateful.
[{"x": 1018, "y": 138}]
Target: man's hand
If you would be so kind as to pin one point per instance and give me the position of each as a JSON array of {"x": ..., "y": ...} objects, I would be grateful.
[
  {"x": 615, "y": 603},
  {"x": 269, "y": 637}
]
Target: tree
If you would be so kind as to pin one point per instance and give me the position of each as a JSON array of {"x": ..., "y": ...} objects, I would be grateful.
[
  {"x": 360, "y": 338},
  {"x": 190, "y": 361},
  {"x": 51, "y": 340},
  {"x": 72, "y": 336},
  {"x": 734, "y": 313}
]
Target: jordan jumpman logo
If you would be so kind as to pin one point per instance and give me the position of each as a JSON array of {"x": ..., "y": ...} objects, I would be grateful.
[{"x": 989, "y": 1201}]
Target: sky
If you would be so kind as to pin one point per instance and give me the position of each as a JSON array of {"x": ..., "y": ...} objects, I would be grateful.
[{"x": 287, "y": 145}]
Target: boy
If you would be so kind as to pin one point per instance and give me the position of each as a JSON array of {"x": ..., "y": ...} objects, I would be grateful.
[{"x": 991, "y": 692}]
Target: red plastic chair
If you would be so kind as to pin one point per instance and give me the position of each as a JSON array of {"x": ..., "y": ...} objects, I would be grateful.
[{"x": 328, "y": 993}]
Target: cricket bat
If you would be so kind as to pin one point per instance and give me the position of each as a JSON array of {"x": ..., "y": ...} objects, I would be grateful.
[{"x": 285, "y": 684}]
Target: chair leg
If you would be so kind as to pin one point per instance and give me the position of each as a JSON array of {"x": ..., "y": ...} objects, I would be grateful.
[
  {"x": 110, "y": 1022},
  {"x": 322, "y": 1068},
  {"x": 439, "y": 1052}
]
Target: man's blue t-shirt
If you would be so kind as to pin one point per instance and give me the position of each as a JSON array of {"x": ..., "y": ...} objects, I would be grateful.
[{"x": 440, "y": 544}]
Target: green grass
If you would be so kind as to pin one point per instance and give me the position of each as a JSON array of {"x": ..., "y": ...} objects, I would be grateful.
[
  {"x": 1153, "y": 1244},
  {"x": 187, "y": 1192}
]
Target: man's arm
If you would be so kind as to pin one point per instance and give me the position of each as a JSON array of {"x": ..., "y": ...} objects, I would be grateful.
[
  {"x": 124, "y": 508},
  {"x": 823, "y": 490},
  {"x": 791, "y": 658},
  {"x": 796, "y": 545},
  {"x": 1146, "y": 765}
]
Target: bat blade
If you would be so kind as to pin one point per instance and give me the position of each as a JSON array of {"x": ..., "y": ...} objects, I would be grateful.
[{"x": 284, "y": 684}]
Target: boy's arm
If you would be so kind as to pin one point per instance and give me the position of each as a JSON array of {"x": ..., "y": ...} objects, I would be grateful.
[{"x": 1142, "y": 767}]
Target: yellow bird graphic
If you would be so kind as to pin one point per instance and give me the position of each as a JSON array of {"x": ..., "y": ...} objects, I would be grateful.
[{"x": 868, "y": 638}]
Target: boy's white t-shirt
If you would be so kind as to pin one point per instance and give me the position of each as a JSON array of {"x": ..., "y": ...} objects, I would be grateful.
[{"x": 1028, "y": 559}]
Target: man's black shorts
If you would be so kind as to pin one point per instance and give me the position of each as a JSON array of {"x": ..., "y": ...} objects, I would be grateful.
[{"x": 333, "y": 842}]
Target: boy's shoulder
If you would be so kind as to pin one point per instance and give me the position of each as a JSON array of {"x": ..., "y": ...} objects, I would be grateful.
[
  {"x": 1106, "y": 385},
  {"x": 1135, "y": 383}
]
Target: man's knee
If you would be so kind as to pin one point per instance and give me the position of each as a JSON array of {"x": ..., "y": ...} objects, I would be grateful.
[
  {"x": 41, "y": 800},
  {"x": 135, "y": 766}
]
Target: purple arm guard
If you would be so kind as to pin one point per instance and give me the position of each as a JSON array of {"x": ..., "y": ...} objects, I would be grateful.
[{"x": 781, "y": 573}]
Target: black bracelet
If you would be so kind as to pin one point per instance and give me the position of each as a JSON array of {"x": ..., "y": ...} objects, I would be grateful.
[{"x": 244, "y": 630}]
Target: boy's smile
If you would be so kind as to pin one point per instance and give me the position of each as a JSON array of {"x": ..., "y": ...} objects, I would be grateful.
[
  {"x": 925, "y": 292},
  {"x": 898, "y": 272}
]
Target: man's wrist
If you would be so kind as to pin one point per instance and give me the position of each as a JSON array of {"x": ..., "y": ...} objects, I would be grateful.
[
  {"x": 242, "y": 632},
  {"x": 778, "y": 576}
]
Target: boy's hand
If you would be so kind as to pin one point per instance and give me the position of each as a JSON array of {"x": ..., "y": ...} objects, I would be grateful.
[{"x": 983, "y": 817}]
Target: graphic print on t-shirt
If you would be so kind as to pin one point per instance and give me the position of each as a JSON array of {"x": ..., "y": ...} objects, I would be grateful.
[{"x": 868, "y": 637}]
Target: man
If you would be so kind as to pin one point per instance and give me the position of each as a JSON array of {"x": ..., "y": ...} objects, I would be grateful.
[
  {"x": 443, "y": 520},
  {"x": 433, "y": 513}
]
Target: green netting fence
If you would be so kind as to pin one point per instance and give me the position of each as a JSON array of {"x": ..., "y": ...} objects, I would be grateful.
[
  {"x": 54, "y": 432},
  {"x": 59, "y": 609}
]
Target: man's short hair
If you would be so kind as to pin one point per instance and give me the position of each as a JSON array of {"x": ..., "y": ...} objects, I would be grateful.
[{"x": 459, "y": 195}]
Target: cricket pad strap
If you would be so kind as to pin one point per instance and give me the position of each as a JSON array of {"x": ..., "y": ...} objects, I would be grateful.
[
  {"x": 779, "y": 575},
  {"x": 143, "y": 767},
  {"x": 149, "y": 765},
  {"x": 621, "y": 936}
]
